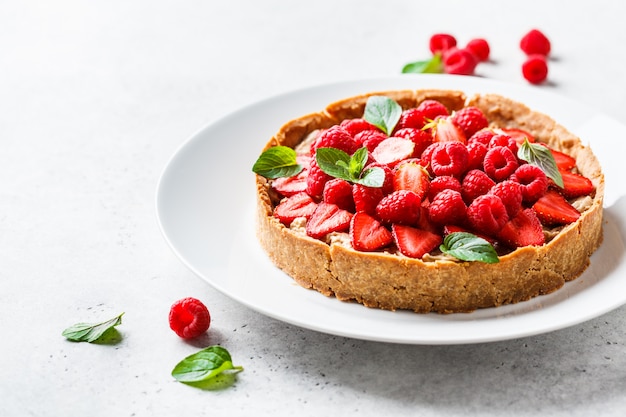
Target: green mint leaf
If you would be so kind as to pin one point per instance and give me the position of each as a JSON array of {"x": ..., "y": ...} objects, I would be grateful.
[
  {"x": 382, "y": 112},
  {"x": 90, "y": 332},
  {"x": 469, "y": 247},
  {"x": 540, "y": 155},
  {"x": 205, "y": 366},
  {"x": 372, "y": 177},
  {"x": 357, "y": 162},
  {"x": 333, "y": 162},
  {"x": 429, "y": 66},
  {"x": 339, "y": 164},
  {"x": 276, "y": 162}
]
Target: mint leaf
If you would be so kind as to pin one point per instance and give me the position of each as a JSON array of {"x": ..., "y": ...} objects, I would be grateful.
[
  {"x": 430, "y": 66},
  {"x": 382, "y": 112},
  {"x": 276, "y": 162},
  {"x": 205, "y": 366},
  {"x": 90, "y": 332},
  {"x": 540, "y": 155},
  {"x": 469, "y": 247},
  {"x": 339, "y": 164}
]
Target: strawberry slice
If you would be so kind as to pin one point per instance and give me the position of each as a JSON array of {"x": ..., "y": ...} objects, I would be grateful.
[
  {"x": 327, "y": 218},
  {"x": 522, "y": 230},
  {"x": 553, "y": 209},
  {"x": 444, "y": 130},
  {"x": 451, "y": 228},
  {"x": 575, "y": 185},
  {"x": 563, "y": 161},
  {"x": 393, "y": 150},
  {"x": 298, "y": 205},
  {"x": 518, "y": 134},
  {"x": 412, "y": 177},
  {"x": 288, "y": 186},
  {"x": 368, "y": 234},
  {"x": 413, "y": 242}
]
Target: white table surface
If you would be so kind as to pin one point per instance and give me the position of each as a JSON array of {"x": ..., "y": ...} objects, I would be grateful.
[{"x": 94, "y": 99}]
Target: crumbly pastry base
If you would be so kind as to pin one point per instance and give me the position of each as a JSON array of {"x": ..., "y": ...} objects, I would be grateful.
[{"x": 391, "y": 281}]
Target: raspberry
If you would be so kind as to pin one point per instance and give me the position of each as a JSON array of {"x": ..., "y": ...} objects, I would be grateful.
[
  {"x": 449, "y": 159},
  {"x": 510, "y": 192},
  {"x": 354, "y": 126},
  {"x": 366, "y": 198},
  {"x": 504, "y": 140},
  {"x": 400, "y": 207},
  {"x": 470, "y": 120},
  {"x": 430, "y": 109},
  {"x": 475, "y": 183},
  {"x": 335, "y": 137},
  {"x": 476, "y": 155},
  {"x": 445, "y": 182},
  {"x": 316, "y": 180},
  {"x": 487, "y": 214},
  {"x": 388, "y": 183},
  {"x": 440, "y": 42},
  {"x": 480, "y": 48},
  {"x": 533, "y": 181},
  {"x": 447, "y": 208},
  {"x": 535, "y": 42},
  {"x": 339, "y": 192},
  {"x": 370, "y": 139},
  {"x": 482, "y": 136},
  {"x": 461, "y": 62},
  {"x": 189, "y": 318},
  {"x": 419, "y": 137},
  {"x": 535, "y": 69},
  {"x": 411, "y": 118},
  {"x": 500, "y": 163}
]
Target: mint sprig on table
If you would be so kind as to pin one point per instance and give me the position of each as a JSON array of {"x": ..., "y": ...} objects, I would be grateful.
[
  {"x": 540, "y": 156},
  {"x": 210, "y": 368},
  {"x": 277, "y": 162},
  {"x": 339, "y": 164},
  {"x": 382, "y": 112},
  {"x": 469, "y": 247},
  {"x": 91, "y": 332},
  {"x": 433, "y": 65}
]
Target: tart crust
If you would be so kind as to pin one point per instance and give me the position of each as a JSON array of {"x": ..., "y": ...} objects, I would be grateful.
[{"x": 392, "y": 281}]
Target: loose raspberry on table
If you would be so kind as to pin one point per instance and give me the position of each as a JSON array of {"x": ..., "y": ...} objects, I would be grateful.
[
  {"x": 533, "y": 181},
  {"x": 460, "y": 62},
  {"x": 474, "y": 184},
  {"x": 449, "y": 159},
  {"x": 440, "y": 42},
  {"x": 535, "y": 69},
  {"x": 447, "y": 208},
  {"x": 480, "y": 48},
  {"x": 487, "y": 214},
  {"x": 500, "y": 163},
  {"x": 470, "y": 119},
  {"x": 535, "y": 42},
  {"x": 189, "y": 318}
]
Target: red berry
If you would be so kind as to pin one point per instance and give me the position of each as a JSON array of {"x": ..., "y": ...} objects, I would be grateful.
[
  {"x": 370, "y": 139},
  {"x": 504, "y": 140},
  {"x": 575, "y": 185},
  {"x": 412, "y": 177},
  {"x": 430, "y": 109},
  {"x": 298, "y": 205},
  {"x": 288, "y": 186},
  {"x": 500, "y": 163},
  {"x": 393, "y": 150},
  {"x": 460, "y": 62},
  {"x": 354, "y": 126},
  {"x": 335, "y": 137},
  {"x": 445, "y": 182},
  {"x": 552, "y": 209},
  {"x": 189, "y": 318},
  {"x": 522, "y": 230},
  {"x": 440, "y": 42},
  {"x": 400, "y": 206},
  {"x": 412, "y": 118},
  {"x": 366, "y": 198},
  {"x": 470, "y": 120},
  {"x": 338, "y": 191},
  {"x": 535, "y": 42},
  {"x": 510, "y": 192},
  {"x": 447, "y": 208},
  {"x": 449, "y": 159},
  {"x": 476, "y": 155},
  {"x": 533, "y": 181},
  {"x": 413, "y": 242},
  {"x": 563, "y": 161},
  {"x": 535, "y": 69},
  {"x": 367, "y": 233},
  {"x": 327, "y": 218},
  {"x": 420, "y": 138},
  {"x": 487, "y": 214},
  {"x": 387, "y": 186},
  {"x": 444, "y": 130},
  {"x": 474, "y": 184},
  {"x": 316, "y": 180},
  {"x": 480, "y": 48},
  {"x": 482, "y": 136}
]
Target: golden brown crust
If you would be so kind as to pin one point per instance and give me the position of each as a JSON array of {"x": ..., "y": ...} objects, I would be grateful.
[{"x": 390, "y": 281}]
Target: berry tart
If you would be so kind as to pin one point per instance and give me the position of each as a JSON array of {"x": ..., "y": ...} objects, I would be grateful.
[{"x": 429, "y": 200}]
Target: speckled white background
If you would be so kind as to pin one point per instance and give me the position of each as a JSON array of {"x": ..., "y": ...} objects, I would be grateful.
[{"x": 94, "y": 99}]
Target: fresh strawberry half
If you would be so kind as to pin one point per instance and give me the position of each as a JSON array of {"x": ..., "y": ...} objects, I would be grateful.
[
  {"x": 393, "y": 150},
  {"x": 327, "y": 218},
  {"x": 368, "y": 234},
  {"x": 552, "y": 209},
  {"x": 288, "y": 186},
  {"x": 413, "y": 242},
  {"x": 298, "y": 205},
  {"x": 444, "y": 130},
  {"x": 412, "y": 177},
  {"x": 575, "y": 185},
  {"x": 563, "y": 161},
  {"x": 522, "y": 230},
  {"x": 518, "y": 134}
]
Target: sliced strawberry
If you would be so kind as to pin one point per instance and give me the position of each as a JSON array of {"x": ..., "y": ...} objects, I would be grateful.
[
  {"x": 288, "y": 186},
  {"x": 393, "y": 150},
  {"x": 563, "y": 161},
  {"x": 412, "y": 177},
  {"x": 327, "y": 218},
  {"x": 444, "y": 130},
  {"x": 552, "y": 209},
  {"x": 298, "y": 205},
  {"x": 368, "y": 234},
  {"x": 519, "y": 135},
  {"x": 523, "y": 230},
  {"x": 575, "y": 185},
  {"x": 451, "y": 228},
  {"x": 413, "y": 242}
]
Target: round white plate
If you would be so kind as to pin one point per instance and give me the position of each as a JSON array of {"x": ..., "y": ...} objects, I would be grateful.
[{"x": 205, "y": 208}]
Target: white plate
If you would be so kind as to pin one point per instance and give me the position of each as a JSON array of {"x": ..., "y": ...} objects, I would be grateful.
[{"x": 205, "y": 207}]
